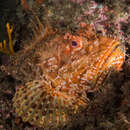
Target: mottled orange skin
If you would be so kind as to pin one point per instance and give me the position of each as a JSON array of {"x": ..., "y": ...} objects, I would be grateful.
[{"x": 68, "y": 73}]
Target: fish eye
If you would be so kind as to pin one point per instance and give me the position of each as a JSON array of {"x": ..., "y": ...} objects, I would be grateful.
[{"x": 74, "y": 43}]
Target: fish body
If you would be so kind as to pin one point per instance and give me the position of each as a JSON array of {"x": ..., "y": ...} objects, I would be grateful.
[{"x": 71, "y": 66}]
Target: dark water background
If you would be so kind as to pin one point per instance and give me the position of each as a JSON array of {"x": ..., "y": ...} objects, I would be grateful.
[{"x": 7, "y": 13}]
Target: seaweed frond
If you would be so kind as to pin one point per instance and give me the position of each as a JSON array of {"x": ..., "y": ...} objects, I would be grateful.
[{"x": 3, "y": 45}]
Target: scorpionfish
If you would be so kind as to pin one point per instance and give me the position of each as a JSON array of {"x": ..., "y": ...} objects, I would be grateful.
[{"x": 71, "y": 64}]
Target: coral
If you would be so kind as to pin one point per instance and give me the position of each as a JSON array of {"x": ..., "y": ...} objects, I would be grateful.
[{"x": 3, "y": 46}]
